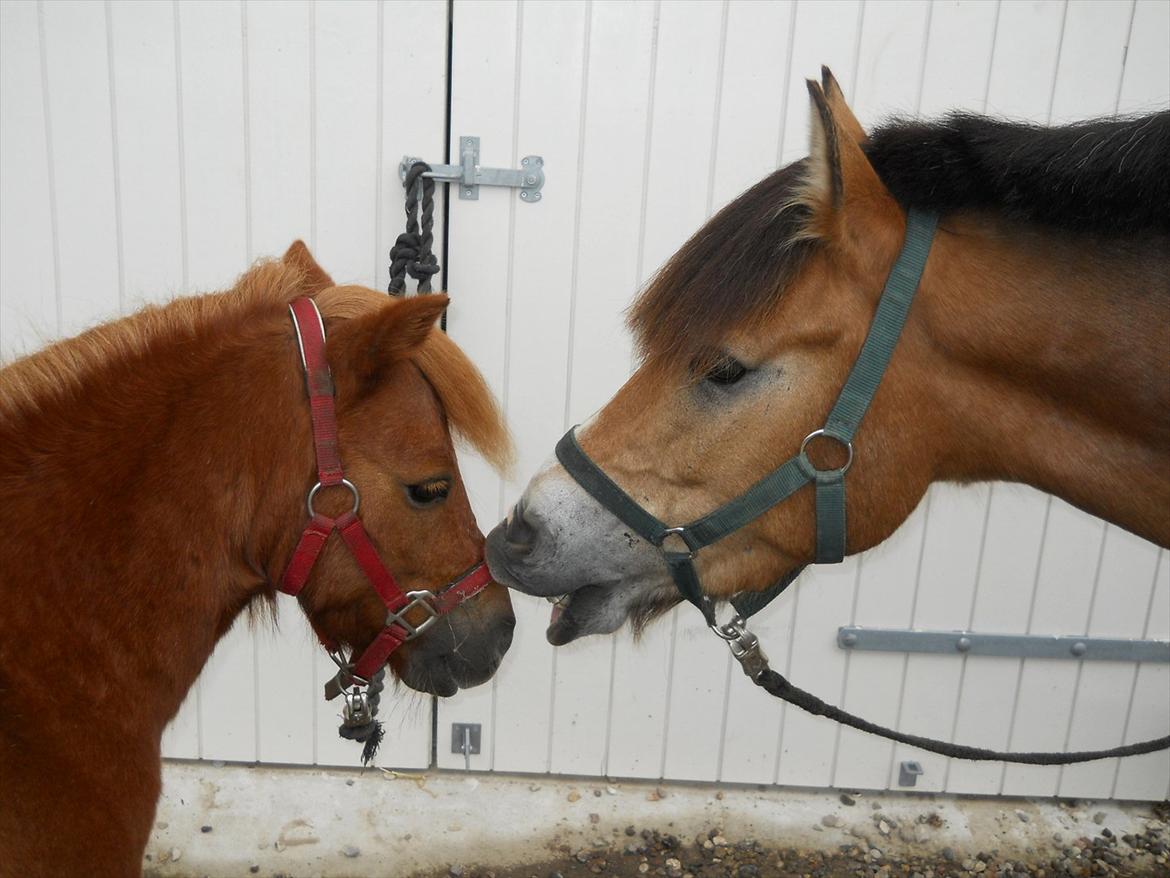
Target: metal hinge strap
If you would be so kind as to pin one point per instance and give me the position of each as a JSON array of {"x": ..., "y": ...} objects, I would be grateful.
[
  {"x": 469, "y": 175},
  {"x": 854, "y": 637}
]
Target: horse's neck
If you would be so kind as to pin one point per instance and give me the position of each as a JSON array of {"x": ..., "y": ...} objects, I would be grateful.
[
  {"x": 1054, "y": 366},
  {"x": 143, "y": 535}
]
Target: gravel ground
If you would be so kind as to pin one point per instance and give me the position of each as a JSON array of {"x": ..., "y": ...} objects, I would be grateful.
[{"x": 650, "y": 852}]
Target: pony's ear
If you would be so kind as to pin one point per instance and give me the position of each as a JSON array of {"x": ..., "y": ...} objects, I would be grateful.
[
  {"x": 363, "y": 347},
  {"x": 846, "y": 199},
  {"x": 316, "y": 279}
]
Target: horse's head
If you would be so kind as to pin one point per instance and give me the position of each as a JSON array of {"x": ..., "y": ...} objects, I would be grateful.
[
  {"x": 401, "y": 387},
  {"x": 748, "y": 334}
]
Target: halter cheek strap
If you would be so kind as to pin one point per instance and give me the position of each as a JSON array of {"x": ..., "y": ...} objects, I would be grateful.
[{"x": 398, "y": 630}]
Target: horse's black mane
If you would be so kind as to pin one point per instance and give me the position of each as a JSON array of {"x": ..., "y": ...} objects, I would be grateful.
[{"x": 1107, "y": 176}]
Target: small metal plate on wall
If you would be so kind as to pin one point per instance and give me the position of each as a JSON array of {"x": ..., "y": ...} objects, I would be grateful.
[
  {"x": 468, "y": 734},
  {"x": 854, "y": 637}
]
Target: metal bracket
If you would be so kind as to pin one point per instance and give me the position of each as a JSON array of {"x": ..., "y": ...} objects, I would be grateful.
[
  {"x": 469, "y": 176},
  {"x": 465, "y": 739},
  {"x": 908, "y": 772},
  {"x": 1011, "y": 645}
]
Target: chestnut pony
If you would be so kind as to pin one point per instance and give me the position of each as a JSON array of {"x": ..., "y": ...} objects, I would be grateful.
[
  {"x": 154, "y": 473},
  {"x": 1035, "y": 351}
]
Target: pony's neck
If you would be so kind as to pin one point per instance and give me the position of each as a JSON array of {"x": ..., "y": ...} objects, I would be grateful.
[
  {"x": 1053, "y": 365},
  {"x": 176, "y": 476}
]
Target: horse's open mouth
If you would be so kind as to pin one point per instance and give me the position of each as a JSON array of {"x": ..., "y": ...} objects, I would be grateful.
[{"x": 585, "y": 610}]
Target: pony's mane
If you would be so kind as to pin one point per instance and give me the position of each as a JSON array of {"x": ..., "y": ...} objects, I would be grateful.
[
  {"x": 467, "y": 401},
  {"x": 58, "y": 372},
  {"x": 1107, "y": 177}
]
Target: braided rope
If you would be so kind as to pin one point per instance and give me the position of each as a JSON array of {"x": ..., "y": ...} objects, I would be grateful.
[{"x": 411, "y": 253}]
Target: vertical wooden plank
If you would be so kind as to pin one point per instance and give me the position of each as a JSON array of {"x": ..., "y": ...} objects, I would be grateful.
[
  {"x": 1023, "y": 67},
  {"x": 824, "y": 33},
  {"x": 682, "y": 125},
  {"x": 889, "y": 77},
  {"x": 143, "y": 57},
  {"x": 82, "y": 153},
  {"x": 955, "y": 530},
  {"x": 1145, "y": 85},
  {"x": 28, "y": 298},
  {"x": 548, "y": 102},
  {"x": 211, "y": 72},
  {"x": 1088, "y": 81},
  {"x": 610, "y": 173},
  {"x": 756, "y": 62},
  {"x": 278, "y": 181},
  {"x": 1104, "y": 690},
  {"x": 1069, "y": 564},
  {"x": 1148, "y": 777},
  {"x": 1003, "y": 596},
  {"x": 484, "y": 91}
]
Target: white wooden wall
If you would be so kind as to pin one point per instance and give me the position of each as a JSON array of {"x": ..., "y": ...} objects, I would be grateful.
[
  {"x": 151, "y": 149},
  {"x": 649, "y": 117}
]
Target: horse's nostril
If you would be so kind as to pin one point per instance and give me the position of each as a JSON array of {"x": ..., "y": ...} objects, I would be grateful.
[{"x": 519, "y": 531}]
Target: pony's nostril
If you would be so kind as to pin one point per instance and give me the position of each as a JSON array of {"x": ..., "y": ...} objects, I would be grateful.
[{"x": 519, "y": 532}]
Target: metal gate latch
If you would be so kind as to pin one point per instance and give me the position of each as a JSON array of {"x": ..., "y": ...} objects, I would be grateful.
[{"x": 469, "y": 176}]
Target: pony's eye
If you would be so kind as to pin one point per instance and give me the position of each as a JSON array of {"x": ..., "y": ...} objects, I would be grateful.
[
  {"x": 429, "y": 492},
  {"x": 727, "y": 370}
]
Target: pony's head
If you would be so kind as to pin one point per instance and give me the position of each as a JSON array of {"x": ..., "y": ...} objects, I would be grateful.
[
  {"x": 747, "y": 335},
  {"x": 401, "y": 388}
]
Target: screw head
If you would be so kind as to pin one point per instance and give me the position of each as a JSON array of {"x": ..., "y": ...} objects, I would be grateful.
[
  {"x": 1079, "y": 648},
  {"x": 849, "y": 639},
  {"x": 524, "y": 162},
  {"x": 964, "y": 644}
]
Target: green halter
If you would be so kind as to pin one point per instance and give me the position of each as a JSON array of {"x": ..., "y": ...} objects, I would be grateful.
[{"x": 794, "y": 473}]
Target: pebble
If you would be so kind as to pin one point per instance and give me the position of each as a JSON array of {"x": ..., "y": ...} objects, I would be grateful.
[
  {"x": 455, "y": 872},
  {"x": 831, "y": 820},
  {"x": 594, "y": 819},
  {"x": 574, "y": 796},
  {"x": 175, "y": 855},
  {"x": 643, "y": 868},
  {"x": 847, "y": 799},
  {"x": 1024, "y": 818},
  {"x": 883, "y": 827},
  {"x": 350, "y": 851},
  {"x": 349, "y": 783},
  {"x": 1099, "y": 818},
  {"x": 205, "y": 828},
  {"x": 254, "y": 868},
  {"x": 597, "y": 793}
]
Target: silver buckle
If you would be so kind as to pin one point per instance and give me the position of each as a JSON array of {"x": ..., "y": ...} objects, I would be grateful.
[
  {"x": 417, "y": 599},
  {"x": 679, "y": 532},
  {"x": 744, "y": 645}
]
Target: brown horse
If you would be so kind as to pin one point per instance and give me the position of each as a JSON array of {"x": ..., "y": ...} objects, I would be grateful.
[
  {"x": 154, "y": 473},
  {"x": 1034, "y": 352}
]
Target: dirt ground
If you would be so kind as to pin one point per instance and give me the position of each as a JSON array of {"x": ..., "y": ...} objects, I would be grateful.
[{"x": 649, "y": 852}]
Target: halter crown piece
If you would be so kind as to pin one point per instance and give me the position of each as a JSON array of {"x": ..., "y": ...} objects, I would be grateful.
[
  {"x": 353, "y": 679},
  {"x": 798, "y": 471}
]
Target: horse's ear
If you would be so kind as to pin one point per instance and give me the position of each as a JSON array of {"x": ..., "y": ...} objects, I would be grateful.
[
  {"x": 316, "y": 279},
  {"x": 841, "y": 189},
  {"x": 363, "y": 347},
  {"x": 847, "y": 123}
]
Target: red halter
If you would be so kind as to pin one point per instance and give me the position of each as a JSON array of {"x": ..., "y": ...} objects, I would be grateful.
[{"x": 311, "y": 338}]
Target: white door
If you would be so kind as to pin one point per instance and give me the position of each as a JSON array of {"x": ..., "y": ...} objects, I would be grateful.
[
  {"x": 153, "y": 149},
  {"x": 649, "y": 117}
]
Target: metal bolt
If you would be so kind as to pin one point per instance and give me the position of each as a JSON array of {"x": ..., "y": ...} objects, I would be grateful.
[
  {"x": 1079, "y": 648},
  {"x": 849, "y": 639},
  {"x": 530, "y": 180},
  {"x": 964, "y": 644},
  {"x": 466, "y": 191},
  {"x": 524, "y": 162}
]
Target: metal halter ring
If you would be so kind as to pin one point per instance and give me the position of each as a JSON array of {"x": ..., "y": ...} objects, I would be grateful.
[
  {"x": 357, "y": 498},
  {"x": 822, "y": 432},
  {"x": 422, "y": 599},
  {"x": 681, "y": 533}
]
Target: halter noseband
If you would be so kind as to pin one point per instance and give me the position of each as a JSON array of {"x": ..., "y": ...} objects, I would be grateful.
[
  {"x": 311, "y": 338},
  {"x": 790, "y": 476}
]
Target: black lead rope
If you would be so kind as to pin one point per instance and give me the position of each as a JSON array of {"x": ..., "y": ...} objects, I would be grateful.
[
  {"x": 775, "y": 684},
  {"x": 411, "y": 253}
]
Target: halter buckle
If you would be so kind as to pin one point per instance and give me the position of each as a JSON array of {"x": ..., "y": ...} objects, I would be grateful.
[{"x": 424, "y": 599}]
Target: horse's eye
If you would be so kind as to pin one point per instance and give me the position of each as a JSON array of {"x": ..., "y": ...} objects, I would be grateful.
[
  {"x": 727, "y": 370},
  {"x": 429, "y": 492}
]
